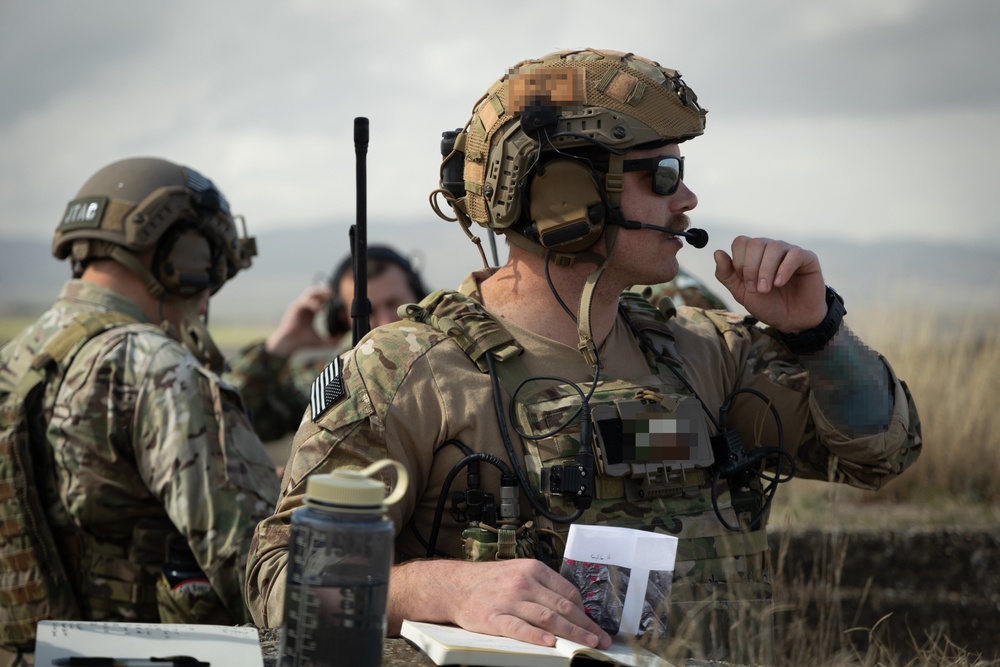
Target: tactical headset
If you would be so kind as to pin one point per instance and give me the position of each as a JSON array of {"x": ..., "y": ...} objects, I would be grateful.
[
  {"x": 379, "y": 256},
  {"x": 526, "y": 132}
]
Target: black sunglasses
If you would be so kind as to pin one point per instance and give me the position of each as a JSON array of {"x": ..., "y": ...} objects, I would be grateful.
[{"x": 668, "y": 171}]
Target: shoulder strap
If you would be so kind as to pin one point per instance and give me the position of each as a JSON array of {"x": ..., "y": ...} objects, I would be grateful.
[
  {"x": 35, "y": 585},
  {"x": 465, "y": 321},
  {"x": 653, "y": 322},
  {"x": 81, "y": 329},
  {"x": 474, "y": 329}
]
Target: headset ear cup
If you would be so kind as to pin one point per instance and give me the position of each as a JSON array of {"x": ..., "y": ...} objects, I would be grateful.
[
  {"x": 565, "y": 205},
  {"x": 183, "y": 262}
]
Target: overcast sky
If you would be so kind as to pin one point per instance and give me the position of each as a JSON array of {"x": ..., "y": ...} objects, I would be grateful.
[{"x": 870, "y": 119}]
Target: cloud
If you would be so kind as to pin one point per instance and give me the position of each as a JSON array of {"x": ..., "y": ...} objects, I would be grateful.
[{"x": 261, "y": 96}]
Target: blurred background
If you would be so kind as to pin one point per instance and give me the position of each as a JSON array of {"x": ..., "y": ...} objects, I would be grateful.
[{"x": 866, "y": 131}]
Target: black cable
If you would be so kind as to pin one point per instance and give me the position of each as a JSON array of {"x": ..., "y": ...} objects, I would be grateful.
[
  {"x": 760, "y": 454},
  {"x": 442, "y": 497},
  {"x": 466, "y": 450},
  {"x": 648, "y": 344},
  {"x": 522, "y": 479},
  {"x": 552, "y": 287},
  {"x": 753, "y": 459}
]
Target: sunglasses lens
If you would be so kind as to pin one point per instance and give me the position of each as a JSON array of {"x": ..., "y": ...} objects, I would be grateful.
[{"x": 667, "y": 177}]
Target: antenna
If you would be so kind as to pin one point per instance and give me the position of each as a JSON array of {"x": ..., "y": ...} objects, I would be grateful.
[{"x": 360, "y": 308}]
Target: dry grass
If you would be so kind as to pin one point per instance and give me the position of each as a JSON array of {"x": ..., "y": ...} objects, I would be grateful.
[{"x": 952, "y": 367}]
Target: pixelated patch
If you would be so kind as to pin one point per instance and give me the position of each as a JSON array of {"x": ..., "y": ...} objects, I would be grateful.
[
  {"x": 555, "y": 86},
  {"x": 327, "y": 389}
]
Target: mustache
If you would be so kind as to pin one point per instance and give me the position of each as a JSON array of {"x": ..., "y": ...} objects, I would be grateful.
[{"x": 679, "y": 221}]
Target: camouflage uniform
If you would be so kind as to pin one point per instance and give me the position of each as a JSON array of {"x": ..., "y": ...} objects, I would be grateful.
[
  {"x": 684, "y": 290},
  {"x": 408, "y": 388},
  {"x": 143, "y": 444},
  {"x": 275, "y": 390}
]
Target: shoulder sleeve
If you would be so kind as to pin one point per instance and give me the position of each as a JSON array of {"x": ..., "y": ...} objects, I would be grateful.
[{"x": 380, "y": 399}]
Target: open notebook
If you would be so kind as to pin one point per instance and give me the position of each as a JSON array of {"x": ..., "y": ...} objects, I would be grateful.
[{"x": 217, "y": 645}]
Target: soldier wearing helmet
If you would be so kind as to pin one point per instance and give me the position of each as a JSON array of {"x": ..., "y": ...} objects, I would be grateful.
[
  {"x": 139, "y": 447},
  {"x": 588, "y": 404}
]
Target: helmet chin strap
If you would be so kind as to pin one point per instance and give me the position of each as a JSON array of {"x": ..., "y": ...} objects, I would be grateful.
[
  {"x": 588, "y": 348},
  {"x": 613, "y": 184}
]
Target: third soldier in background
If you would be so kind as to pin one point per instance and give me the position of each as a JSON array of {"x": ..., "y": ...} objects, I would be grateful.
[{"x": 274, "y": 375}]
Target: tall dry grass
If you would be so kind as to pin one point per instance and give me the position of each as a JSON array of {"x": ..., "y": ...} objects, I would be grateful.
[{"x": 951, "y": 363}]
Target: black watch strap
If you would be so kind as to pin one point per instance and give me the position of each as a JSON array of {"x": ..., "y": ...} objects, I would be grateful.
[{"x": 815, "y": 339}]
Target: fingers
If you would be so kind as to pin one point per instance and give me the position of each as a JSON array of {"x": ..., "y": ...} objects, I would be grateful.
[
  {"x": 762, "y": 263},
  {"x": 313, "y": 299},
  {"x": 526, "y": 600},
  {"x": 726, "y": 274}
]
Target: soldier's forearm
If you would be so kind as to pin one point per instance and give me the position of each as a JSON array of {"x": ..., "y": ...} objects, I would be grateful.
[{"x": 851, "y": 384}]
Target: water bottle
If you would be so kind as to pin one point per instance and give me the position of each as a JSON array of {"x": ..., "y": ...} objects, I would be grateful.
[{"x": 340, "y": 553}]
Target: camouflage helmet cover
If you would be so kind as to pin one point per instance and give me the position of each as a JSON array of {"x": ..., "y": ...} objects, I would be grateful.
[
  {"x": 133, "y": 203},
  {"x": 617, "y": 100}
]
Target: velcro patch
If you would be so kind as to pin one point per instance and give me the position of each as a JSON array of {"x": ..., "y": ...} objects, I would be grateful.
[
  {"x": 83, "y": 213},
  {"x": 327, "y": 389},
  {"x": 551, "y": 86}
]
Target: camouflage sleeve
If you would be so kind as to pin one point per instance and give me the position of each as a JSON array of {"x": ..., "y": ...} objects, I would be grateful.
[
  {"x": 197, "y": 453},
  {"x": 272, "y": 396},
  {"x": 390, "y": 407},
  {"x": 816, "y": 432},
  {"x": 354, "y": 442}
]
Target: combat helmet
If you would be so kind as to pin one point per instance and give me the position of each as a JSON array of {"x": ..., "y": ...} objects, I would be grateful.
[
  {"x": 149, "y": 205},
  {"x": 563, "y": 105},
  {"x": 542, "y": 157}
]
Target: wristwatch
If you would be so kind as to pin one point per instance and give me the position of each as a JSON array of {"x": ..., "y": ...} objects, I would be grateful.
[{"x": 815, "y": 339}]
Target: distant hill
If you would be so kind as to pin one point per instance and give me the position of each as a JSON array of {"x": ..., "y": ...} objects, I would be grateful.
[{"x": 896, "y": 274}]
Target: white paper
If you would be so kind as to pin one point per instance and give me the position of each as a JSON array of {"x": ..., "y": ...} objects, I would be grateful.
[
  {"x": 216, "y": 644},
  {"x": 640, "y": 551}
]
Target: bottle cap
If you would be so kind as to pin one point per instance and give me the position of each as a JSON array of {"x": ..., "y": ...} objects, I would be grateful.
[{"x": 356, "y": 489}]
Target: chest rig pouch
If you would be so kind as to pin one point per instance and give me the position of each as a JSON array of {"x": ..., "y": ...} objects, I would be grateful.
[{"x": 649, "y": 440}]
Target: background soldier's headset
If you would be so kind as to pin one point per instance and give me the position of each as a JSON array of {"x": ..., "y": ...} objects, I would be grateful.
[{"x": 338, "y": 319}]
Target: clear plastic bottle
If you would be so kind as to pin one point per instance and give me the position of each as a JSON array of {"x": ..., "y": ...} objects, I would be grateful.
[{"x": 340, "y": 553}]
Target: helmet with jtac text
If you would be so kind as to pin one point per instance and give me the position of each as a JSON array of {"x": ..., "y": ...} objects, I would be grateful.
[
  {"x": 543, "y": 150},
  {"x": 151, "y": 207}
]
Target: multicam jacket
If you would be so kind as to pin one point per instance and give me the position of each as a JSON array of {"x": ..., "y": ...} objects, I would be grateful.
[
  {"x": 142, "y": 443},
  {"x": 275, "y": 390},
  {"x": 410, "y": 390}
]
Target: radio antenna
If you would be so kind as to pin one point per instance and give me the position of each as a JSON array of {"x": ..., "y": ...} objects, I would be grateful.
[{"x": 361, "y": 308}]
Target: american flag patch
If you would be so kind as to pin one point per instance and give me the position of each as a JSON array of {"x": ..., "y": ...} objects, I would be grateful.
[{"x": 326, "y": 389}]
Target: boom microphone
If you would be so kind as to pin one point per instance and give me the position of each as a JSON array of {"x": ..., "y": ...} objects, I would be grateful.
[{"x": 696, "y": 237}]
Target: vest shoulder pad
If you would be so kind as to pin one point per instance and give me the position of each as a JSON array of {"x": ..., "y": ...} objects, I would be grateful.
[{"x": 468, "y": 323}]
